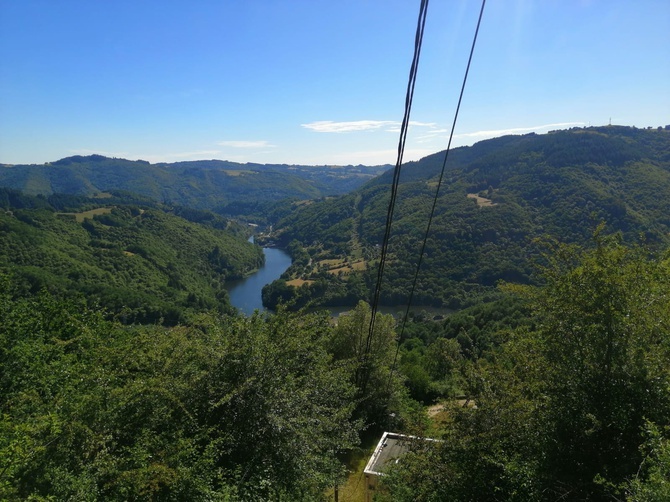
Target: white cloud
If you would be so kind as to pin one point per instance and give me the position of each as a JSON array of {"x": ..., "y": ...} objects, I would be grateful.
[
  {"x": 247, "y": 144},
  {"x": 422, "y": 124},
  {"x": 471, "y": 137},
  {"x": 355, "y": 125},
  {"x": 360, "y": 125},
  {"x": 432, "y": 135},
  {"x": 516, "y": 130},
  {"x": 397, "y": 125}
]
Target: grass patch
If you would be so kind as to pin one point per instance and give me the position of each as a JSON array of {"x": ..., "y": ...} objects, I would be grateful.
[
  {"x": 80, "y": 217},
  {"x": 296, "y": 283},
  {"x": 344, "y": 270},
  {"x": 303, "y": 203},
  {"x": 359, "y": 265},
  {"x": 337, "y": 262},
  {"x": 339, "y": 266},
  {"x": 353, "y": 489},
  {"x": 481, "y": 201}
]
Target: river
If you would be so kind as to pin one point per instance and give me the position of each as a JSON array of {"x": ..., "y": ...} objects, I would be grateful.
[{"x": 245, "y": 294}]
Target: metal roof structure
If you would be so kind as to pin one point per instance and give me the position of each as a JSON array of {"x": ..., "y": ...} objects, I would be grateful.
[{"x": 390, "y": 449}]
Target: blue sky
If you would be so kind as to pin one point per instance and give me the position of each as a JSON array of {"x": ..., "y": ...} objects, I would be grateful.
[{"x": 316, "y": 81}]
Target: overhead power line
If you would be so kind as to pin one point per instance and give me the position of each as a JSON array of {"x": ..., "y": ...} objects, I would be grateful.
[
  {"x": 363, "y": 372},
  {"x": 437, "y": 191},
  {"x": 394, "y": 188}
]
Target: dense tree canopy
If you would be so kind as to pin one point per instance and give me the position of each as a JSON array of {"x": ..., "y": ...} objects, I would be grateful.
[
  {"x": 143, "y": 263},
  {"x": 570, "y": 407},
  {"x": 225, "y": 408}
]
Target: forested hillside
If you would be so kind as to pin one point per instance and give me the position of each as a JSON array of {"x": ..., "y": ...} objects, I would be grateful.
[
  {"x": 198, "y": 184},
  {"x": 569, "y": 399},
  {"x": 124, "y": 374},
  {"x": 497, "y": 198},
  {"x": 574, "y": 405},
  {"x": 137, "y": 260}
]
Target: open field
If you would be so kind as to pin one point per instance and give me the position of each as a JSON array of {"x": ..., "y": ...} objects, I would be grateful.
[
  {"x": 334, "y": 263},
  {"x": 359, "y": 265},
  {"x": 481, "y": 201},
  {"x": 296, "y": 283},
  {"x": 80, "y": 217},
  {"x": 337, "y": 266}
]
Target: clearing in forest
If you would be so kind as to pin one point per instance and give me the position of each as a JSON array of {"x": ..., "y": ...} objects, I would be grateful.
[{"x": 80, "y": 217}]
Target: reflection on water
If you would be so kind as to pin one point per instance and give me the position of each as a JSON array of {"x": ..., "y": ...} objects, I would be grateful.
[{"x": 245, "y": 294}]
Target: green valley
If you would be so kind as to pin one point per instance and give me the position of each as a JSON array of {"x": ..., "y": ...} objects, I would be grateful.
[
  {"x": 537, "y": 352},
  {"x": 497, "y": 199}
]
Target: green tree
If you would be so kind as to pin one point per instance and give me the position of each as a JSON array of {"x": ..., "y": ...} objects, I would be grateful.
[
  {"x": 225, "y": 408},
  {"x": 603, "y": 330},
  {"x": 444, "y": 360},
  {"x": 652, "y": 481},
  {"x": 563, "y": 406},
  {"x": 381, "y": 396}
]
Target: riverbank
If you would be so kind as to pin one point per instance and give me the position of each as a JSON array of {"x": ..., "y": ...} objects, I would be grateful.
[{"x": 245, "y": 294}]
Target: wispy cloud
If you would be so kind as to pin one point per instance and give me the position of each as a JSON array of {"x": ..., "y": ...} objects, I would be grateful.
[
  {"x": 422, "y": 124},
  {"x": 516, "y": 130},
  {"x": 247, "y": 144},
  {"x": 359, "y": 125},
  {"x": 355, "y": 125},
  {"x": 412, "y": 123}
]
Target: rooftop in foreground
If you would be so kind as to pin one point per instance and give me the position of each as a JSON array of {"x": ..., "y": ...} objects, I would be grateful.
[{"x": 390, "y": 449}]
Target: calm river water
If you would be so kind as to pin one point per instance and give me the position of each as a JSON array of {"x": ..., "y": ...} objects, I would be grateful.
[{"x": 245, "y": 294}]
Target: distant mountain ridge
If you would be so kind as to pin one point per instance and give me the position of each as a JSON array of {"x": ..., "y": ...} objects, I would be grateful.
[{"x": 198, "y": 184}]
